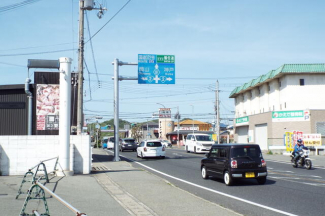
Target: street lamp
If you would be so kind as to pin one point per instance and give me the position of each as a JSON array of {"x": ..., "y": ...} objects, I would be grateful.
[{"x": 164, "y": 117}]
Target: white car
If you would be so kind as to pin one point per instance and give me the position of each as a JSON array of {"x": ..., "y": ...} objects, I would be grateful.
[
  {"x": 198, "y": 143},
  {"x": 151, "y": 148},
  {"x": 166, "y": 143}
]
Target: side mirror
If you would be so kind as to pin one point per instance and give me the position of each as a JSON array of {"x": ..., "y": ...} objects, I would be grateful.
[
  {"x": 192, "y": 139},
  {"x": 207, "y": 155}
]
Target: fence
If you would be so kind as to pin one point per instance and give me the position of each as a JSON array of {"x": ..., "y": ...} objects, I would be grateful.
[{"x": 37, "y": 190}]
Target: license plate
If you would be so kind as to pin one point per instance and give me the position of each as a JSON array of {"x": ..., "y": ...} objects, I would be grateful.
[
  {"x": 129, "y": 145},
  {"x": 249, "y": 175}
]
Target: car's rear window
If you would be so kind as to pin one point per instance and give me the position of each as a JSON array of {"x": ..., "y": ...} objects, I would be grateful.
[
  {"x": 129, "y": 141},
  {"x": 154, "y": 144},
  {"x": 246, "y": 151},
  {"x": 203, "y": 138}
]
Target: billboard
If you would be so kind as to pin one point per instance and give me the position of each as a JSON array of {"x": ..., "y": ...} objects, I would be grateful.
[{"x": 47, "y": 106}]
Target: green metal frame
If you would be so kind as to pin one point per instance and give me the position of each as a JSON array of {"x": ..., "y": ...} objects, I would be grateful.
[{"x": 40, "y": 195}]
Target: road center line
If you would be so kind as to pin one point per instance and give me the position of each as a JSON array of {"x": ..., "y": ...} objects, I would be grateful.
[{"x": 211, "y": 190}]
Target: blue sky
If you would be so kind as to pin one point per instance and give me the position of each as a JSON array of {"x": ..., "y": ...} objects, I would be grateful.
[{"x": 232, "y": 41}]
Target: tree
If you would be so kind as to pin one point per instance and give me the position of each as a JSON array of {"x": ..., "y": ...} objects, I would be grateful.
[{"x": 136, "y": 132}]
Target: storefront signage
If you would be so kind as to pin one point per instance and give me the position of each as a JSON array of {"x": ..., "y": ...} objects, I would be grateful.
[
  {"x": 287, "y": 116},
  {"x": 242, "y": 121},
  {"x": 312, "y": 139}
]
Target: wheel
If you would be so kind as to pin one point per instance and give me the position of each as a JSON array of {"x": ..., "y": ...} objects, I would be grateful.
[
  {"x": 204, "y": 173},
  {"x": 261, "y": 181},
  {"x": 195, "y": 149},
  {"x": 227, "y": 178},
  {"x": 295, "y": 164},
  {"x": 187, "y": 149},
  {"x": 308, "y": 164}
]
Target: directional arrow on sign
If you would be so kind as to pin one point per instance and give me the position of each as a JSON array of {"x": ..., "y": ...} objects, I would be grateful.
[
  {"x": 144, "y": 78},
  {"x": 169, "y": 79}
]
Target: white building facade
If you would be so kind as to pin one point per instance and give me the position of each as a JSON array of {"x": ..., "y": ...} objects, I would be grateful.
[{"x": 290, "y": 98}]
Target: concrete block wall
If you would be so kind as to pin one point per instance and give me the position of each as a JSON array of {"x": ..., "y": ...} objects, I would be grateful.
[{"x": 20, "y": 153}]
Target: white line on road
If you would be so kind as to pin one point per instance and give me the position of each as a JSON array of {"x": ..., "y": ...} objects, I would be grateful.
[
  {"x": 213, "y": 191},
  {"x": 318, "y": 167}
]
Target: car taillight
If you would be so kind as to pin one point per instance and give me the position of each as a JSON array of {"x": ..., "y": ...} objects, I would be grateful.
[
  {"x": 233, "y": 164},
  {"x": 263, "y": 163},
  {"x": 163, "y": 148},
  {"x": 145, "y": 149}
]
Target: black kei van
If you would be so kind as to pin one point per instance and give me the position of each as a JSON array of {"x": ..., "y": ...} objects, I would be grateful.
[{"x": 234, "y": 161}]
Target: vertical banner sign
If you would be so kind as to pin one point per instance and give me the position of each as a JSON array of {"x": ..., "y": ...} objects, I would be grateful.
[
  {"x": 156, "y": 69},
  {"x": 47, "y": 106}
]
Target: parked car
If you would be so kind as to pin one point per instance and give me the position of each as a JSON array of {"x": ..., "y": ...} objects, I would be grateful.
[
  {"x": 166, "y": 143},
  {"x": 198, "y": 143},
  {"x": 151, "y": 148},
  {"x": 235, "y": 161},
  {"x": 110, "y": 142},
  {"x": 128, "y": 144}
]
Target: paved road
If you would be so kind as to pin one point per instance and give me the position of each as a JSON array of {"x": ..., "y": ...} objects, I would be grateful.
[{"x": 288, "y": 191}]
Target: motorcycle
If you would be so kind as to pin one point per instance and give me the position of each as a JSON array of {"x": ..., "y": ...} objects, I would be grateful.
[{"x": 303, "y": 159}]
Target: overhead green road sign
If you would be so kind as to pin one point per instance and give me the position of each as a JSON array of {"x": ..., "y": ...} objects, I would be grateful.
[{"x": 156, "y": 69}]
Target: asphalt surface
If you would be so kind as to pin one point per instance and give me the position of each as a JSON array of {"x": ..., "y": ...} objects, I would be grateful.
[
  {"x": 279, "y": 196},
  {"x": 113, "y": 188}
]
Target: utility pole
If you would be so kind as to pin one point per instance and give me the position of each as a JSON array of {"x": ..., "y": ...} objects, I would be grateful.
[
  {"x": 83, "y": 5},
  {"x": 80, "y": 68},
  {"x": 177, "y": 116},
  {"x": 217, "y": 112}
]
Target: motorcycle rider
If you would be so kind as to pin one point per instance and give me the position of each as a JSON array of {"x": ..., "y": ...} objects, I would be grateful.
[{"x": 299, "y": 146}]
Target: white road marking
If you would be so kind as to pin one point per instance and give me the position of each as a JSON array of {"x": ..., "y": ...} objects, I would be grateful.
[
  {"x": 284, "y": 162},
  {"x": 211, "y": 190},
  {"x": 178, "y": 154}
]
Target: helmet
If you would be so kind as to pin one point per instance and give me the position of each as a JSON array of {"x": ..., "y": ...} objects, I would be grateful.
[{"x": 299, "y": 141}]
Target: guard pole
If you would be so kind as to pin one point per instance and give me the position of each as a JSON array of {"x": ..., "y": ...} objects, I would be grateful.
[{"x": 65, "y": 107}]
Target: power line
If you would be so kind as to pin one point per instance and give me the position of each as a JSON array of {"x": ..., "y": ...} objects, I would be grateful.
[
  {"x": 36, "y": 53},
  {"x": 92, "y": 49},
  {"x": 17, "y": 5},
  {"x": 12, "y": 64},
  {"x": 109, "y": 20}
]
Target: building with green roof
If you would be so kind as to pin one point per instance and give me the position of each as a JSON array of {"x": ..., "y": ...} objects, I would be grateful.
[{"x": 289, "y": 98}]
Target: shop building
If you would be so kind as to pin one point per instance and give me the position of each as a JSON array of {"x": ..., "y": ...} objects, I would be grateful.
[{"x": 287, "y": 99}]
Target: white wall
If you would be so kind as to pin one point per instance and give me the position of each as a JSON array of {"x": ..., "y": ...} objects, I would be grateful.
[
  {"x": 309, "y": 96},
  {"x": 20, "y": 153},
  {"x": 289, "y": 96}
]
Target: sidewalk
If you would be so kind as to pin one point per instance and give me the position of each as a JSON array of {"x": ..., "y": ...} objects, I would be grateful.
[{"x": 113, "y": 188}]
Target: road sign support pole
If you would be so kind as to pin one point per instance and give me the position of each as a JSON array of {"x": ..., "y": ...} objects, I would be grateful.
[
  {"x": 116, "y": 110},
  {"x": 117, "y": 78}
]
